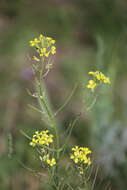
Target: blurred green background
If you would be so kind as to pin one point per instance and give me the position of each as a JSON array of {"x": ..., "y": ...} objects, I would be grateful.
[{"x": 90, "y": 35}]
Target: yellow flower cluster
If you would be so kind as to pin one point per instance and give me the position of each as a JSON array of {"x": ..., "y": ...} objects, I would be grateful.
[
  {"x": 41, "y": 138},
  {"x": 44, "y": 46},
  {"x": 50, "y": 161},
  {"x": 98, "y": 77},
  {"x": 80, "y": 155}
]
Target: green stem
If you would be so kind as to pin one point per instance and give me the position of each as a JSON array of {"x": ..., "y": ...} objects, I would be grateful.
[
  {"x": 46, "y": 108},
  {"x": 44, "y": 105},
  {"x": 67, "y": 100}
]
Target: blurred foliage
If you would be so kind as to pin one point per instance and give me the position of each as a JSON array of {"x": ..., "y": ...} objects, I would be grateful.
[{"x": 90, "y": 35}]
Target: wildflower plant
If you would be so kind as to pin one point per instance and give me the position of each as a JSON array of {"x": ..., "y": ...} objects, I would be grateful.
[{"x": 47, "y": 141}]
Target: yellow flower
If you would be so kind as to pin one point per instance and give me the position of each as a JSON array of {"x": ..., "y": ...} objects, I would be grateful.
[
  {"x": 44, "y": 45},
  {"x": 41, "y": 138},
  {"x": 47, "y": 160},
  {"x": 53, "y": 41},
  {"x": 106, "y": 80},
  {"x": 41, "y": 37},
  {"x": 98, "y": 77},
  {"x": 53, "y": 50},
  {"x": 48, "y": 38},
  {"x": 51, "y": 162},
  {"x": 91, "y": 84},
  {"x": 34, "y": 43},
  {"x": 43, "y": 50},
  {"x": 80, "y": 155},
  {"x": 47, "y": 54}
]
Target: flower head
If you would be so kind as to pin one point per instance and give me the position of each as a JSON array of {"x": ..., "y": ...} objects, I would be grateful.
[
  {"x": 80, "y": 155},
  {"x": 41, "y": 138},
  {"x": 98, "y": 77},
  {"x": 44, "y": 45},
  {"x": 50, "y": 161},
  {"x": 91, "y": 84}
]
